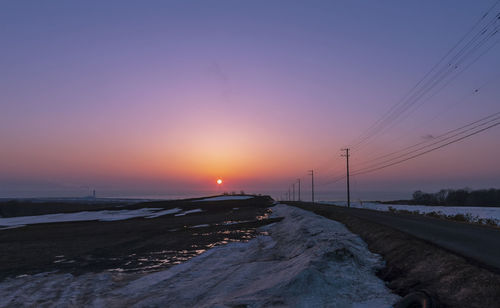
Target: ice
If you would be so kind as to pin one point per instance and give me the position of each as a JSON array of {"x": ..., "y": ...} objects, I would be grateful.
[
  {"x": 306, "y": 261},
  {"x": 106, "y": 215},
  {"x": 476, "y": 212},
  {"x": 224, "y": 198}
]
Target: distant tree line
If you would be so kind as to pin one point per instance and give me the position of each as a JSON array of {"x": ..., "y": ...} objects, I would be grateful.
[{"x": 459, "y": 197}]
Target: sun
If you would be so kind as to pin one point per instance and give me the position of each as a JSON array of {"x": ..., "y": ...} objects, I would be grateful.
[{"x": 219, "y": 181}]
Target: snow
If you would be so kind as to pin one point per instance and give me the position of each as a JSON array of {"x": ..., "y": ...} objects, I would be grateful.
[
  {"x": 164, "y": 212},
  {"x": 225, "y": 198},
  {"x": 106, "y": 215},
  {"x": 189, "y": 212},
  {"x": 200, "y": 226},
  {"x": 476, "y": 212},
  {"x": 306, "y": 261}
]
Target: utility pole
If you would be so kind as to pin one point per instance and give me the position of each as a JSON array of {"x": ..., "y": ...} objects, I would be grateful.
[
  {"x": 299, "y": 188},
  {"x": 311, "y": 173},
  {"x": 293, "y": 186},
  {"x": 288, "y": 193},
  {"x": 346, "y": 155}
]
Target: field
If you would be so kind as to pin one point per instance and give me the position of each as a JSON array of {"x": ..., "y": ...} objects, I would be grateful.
[{"x": 133, "y": 244}]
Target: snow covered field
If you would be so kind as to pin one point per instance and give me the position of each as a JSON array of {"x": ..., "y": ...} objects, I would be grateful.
[
  {"x": 15, "y": 222},
  {"x": 474, "y": 214},
  {"x": 306, "y": 261}
]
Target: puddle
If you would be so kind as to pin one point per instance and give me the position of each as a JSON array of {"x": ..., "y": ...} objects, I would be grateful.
[{"x": 163, "y": 259}]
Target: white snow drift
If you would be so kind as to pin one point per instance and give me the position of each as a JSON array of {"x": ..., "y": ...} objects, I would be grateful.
[
  {"x": 307, "y": 261},
  {"x": 14, "y": 222}
]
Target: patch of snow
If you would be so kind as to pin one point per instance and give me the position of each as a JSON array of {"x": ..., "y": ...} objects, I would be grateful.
[
  {"x": 225, "y": 198},
  {"x": 189, "y": 212},
  {"x": 307, "y": 261},
  {"x": 476, "y": 212},
  {"x": 200, "y": 226},
  {"x": 164, "y": 212},
  {"x": 106, "y": 215},
  {"x": 11, "y": 227},
  {"x": 235, "y": 222}
]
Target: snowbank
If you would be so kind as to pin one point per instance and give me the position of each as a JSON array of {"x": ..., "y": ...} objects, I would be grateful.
[
  {"x": 224, "y": 198},
  {"x": 307, "y": 261},
  {"x": 475, "y": 213},
  {"x": 13, "y": 222}
]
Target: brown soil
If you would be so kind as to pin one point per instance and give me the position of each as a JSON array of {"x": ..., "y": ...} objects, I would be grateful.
[{"x": 413, "y": 264}]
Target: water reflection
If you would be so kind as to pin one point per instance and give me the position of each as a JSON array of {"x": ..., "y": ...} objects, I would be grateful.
[{"x": 163, "y": 259}]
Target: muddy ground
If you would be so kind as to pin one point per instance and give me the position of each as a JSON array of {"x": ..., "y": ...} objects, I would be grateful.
[
  {"x": 138, "y": 244},
  {"x": 413, "y": 264}
]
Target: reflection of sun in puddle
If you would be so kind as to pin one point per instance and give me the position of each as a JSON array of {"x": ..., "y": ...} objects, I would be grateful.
[{"x": 160, "y": 260}]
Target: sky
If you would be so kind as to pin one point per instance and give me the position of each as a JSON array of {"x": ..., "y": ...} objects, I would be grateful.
[{"x": 139, "y": 98}]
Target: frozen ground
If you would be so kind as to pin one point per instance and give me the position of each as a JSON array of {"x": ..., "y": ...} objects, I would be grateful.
[
  {"x": 306, "y": 261},
  {"x": 473, "y": 214},
  {"x": 225, "y": 198},
  {"x": 15, "y": 222}
]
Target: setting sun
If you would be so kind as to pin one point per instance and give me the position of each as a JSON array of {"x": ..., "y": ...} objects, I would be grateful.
[{"x": 219, "y": 181}]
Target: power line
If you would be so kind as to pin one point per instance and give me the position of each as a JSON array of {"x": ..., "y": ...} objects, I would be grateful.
[
  {"x": 432, "y": 144},
  {"x": 410, "y": 106},
  {"x": 428, "y": 151},
  {"x": 443, "y": 86},
  {"x": 437, "y": 145},
  {"x": 417, "y": 94},
  {"x": 496, "y": 114},
  {"x": 448, "y": 68},
  {"x": 427, "y": 83},
  {"x": 474, "y": 92}
]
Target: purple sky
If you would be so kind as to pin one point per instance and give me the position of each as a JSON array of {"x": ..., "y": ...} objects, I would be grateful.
[{"x": 167, "y": 96}]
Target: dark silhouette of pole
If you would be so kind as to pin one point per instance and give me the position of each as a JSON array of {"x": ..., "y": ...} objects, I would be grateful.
[
  {"x": 293, "y": 187},
  {"x": 311, "y": 173},
  {"x": 346, "y": 155},
  {"x": 299, "y": 188}
]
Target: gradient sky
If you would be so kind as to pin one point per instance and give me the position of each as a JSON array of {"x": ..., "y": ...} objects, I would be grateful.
[{"x": 151, "y": 97}]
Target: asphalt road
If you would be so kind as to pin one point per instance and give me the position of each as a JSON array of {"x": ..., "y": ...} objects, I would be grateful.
[{"x": 477, "y": 243}]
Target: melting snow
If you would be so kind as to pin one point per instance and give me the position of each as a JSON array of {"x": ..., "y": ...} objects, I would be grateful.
[
  {"x": 189, "y": 212},
  {"x": 476, "y": 212},
  {"x": 224, "y": 198},
  {"x": 200, "y": 226},
  {"x": 13, "y": 222},
  {"x": 307, "y": 261},
  {"x": 164, "y": 212}
]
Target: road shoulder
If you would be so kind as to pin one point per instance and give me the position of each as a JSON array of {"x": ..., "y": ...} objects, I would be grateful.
[{"x": 413, "y": 264}]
